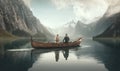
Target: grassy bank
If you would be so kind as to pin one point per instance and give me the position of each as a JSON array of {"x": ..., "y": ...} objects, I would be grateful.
[{"x": 4, "y": 35}]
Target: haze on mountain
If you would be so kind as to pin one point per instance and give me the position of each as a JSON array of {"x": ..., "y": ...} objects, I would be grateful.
[{"x": 105, "y": 24}]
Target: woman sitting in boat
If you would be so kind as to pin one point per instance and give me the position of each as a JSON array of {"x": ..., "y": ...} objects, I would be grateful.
[
  {"x": 66, "y": 39},
  {"x": 57, "y": 38}
]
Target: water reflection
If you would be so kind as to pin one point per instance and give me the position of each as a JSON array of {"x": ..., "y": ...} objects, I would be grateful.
[
  {"x": 36, "y": 53},
  {"x": 57, "y": 55},
  {"x": 110, "y": 42},
  {"x": 65, "y": 53},
  {"x": 100, "y": 55},
  {"x": 111, "y": 55},
  {"x": 13, "y": 59}
]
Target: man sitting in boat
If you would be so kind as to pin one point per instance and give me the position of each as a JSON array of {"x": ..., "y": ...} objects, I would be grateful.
[{"x": 66, "y": 39}]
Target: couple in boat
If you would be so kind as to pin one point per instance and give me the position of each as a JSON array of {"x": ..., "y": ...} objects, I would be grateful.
[
  {"x": 36, "y": 44},
  {"x": 65, "y": 40}
]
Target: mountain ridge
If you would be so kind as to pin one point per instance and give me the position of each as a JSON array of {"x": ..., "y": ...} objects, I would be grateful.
[
  {"x": 114, "y": 29},
  {"x": 17, "y": 19}
]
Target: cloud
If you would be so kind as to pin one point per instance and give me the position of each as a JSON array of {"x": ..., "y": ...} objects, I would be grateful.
[
  {"x": 114, "y": 7},
  {"x": 27, "y": 2},
  {"x": 88, "y": 10},
  {"x": 85, "y": 10},
  {"x": 61, "y": 4}
]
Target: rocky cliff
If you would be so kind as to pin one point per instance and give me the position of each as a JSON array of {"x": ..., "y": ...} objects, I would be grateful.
[
  {"x": 83, "y": 29},
  {"x": 114, "y": 29},
  {"x": 17, "y": 19},
  {"x": 96, "y": 28}
]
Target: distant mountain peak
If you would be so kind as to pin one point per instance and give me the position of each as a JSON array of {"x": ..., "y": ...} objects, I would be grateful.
[
  {"x": 70, "y": 24},
  {"x": 80, "y": 23}
]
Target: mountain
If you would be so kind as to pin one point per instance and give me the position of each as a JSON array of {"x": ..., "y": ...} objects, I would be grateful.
[
  {"x": 5, "y": 34},
  {"x": 17, "y": 19},
  {"x": 101, "y": 25},
  {"x": 86, "y": 30},
  {"x": 95, "y": 28},
  {"x": 75, "y": 29},
  {"x": 68, "y": 28},
  {"x": 82, "y": 29},
  {"x": 114, "y": 29},
  {"x": 70, "y": 24},
  {"x": 51, "y": 30}
]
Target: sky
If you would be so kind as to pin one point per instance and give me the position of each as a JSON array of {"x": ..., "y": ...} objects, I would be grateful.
[
  {"x": 54, "y": 13},
  {"x": 49, "y": 15}
]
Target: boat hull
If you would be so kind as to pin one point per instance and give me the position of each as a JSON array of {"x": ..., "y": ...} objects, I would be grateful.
[{"x": 39, "y": 45}]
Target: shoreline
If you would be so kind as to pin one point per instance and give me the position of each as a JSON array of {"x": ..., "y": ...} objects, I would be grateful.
[{"x": 106, "y": 38}]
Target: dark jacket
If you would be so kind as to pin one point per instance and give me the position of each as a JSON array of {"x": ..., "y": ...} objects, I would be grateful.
[{"x": 66, "y": 39}]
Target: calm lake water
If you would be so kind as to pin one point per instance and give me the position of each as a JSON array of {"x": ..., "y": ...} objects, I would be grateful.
[{"x": 102, "y": 55}]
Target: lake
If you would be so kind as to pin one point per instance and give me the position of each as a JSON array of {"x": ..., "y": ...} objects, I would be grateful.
[{"x": 102, "y": 55}]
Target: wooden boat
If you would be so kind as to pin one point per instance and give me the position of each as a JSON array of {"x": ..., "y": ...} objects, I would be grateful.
[{"x": 38, "y": 45}]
